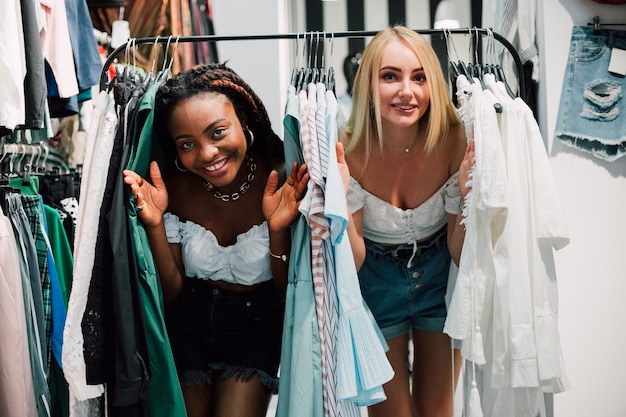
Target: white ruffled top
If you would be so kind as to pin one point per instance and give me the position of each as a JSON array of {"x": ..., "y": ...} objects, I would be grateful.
[
  {"x": 387, "y": 224},
  {"x": 247, "y": 262}
]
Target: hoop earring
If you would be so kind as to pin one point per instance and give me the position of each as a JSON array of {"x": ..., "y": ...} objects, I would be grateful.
[
  {"x": 178, "y": 166},
  {"x": 251, "y": 140}
]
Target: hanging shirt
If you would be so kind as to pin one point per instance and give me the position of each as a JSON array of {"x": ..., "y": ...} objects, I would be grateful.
[
  {"x": 484, "y": 214},
  {"x": 12, "y": 66},
  {"x": 300, "y": 388},
  {"x": 17, "y": 397},
  {"x": 57, "y": 47},
  {"x": 100, "y": 143}
]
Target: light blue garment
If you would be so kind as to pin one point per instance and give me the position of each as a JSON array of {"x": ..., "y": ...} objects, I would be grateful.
[
  {"x": 591, "y": 111},
  {"x": 362, "y": 366},
  {"x": 300, "y": 388}
]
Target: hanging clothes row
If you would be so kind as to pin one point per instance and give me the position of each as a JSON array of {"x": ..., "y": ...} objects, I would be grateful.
[
  {"x": 37, "y": 264},
  {"x": 325, "y": 312},
  {"x": 504, "y": 308},
  {"x": 346, "y": 365},
  {"x": 50, "y": 63},
  {"x": 115, "y": 341},
  {"x": 104, "y": 77}
]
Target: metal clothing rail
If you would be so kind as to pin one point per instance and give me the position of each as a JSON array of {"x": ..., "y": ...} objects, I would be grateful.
[{"x": 347, "y": 34}]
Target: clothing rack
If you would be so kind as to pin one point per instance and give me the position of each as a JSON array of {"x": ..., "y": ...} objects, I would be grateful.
[
  {"x": 597, "y": 26},
  {"x": 347, "y": 34}
]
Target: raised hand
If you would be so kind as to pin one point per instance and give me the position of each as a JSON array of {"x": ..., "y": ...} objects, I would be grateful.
[
  {"x": 150, "y": 198},
  {"x": 465, "y": 169},
  {"x": 280, "y": 206},
  {"x": 343, "y": 166}
]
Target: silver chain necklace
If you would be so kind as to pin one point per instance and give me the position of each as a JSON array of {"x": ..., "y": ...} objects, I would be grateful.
[{"x": 242, "y": 189}]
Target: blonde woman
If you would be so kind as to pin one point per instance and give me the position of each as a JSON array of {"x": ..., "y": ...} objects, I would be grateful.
[{"x": 409, "y": 160}]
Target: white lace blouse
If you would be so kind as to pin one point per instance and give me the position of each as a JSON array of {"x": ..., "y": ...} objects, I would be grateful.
[
  {"x": 247, "y": 262},
  {"x": 388, "y": 224}
]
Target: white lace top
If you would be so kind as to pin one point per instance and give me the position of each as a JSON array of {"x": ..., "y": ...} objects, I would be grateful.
[
  {"x": 247, "y": 262},
  {"x": 388, "y": 224}
]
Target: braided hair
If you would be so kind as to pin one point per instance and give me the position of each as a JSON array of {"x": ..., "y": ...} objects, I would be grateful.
[{"x": 248, "y": 106}]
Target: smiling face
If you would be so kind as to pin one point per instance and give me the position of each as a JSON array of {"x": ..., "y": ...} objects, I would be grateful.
[
  {"x": 209, "y": 138},
  {"x": 402, "y": 87}
]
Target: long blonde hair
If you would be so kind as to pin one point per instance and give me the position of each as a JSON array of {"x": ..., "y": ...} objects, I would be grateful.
[{"x": 365, "y": 122}]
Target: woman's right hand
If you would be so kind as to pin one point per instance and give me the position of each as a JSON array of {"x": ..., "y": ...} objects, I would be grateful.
[
  {"x": 150, "y": 197},
  {"x": 465, "y": 169}
]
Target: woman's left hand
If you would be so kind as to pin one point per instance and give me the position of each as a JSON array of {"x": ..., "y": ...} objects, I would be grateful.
[
  {"x": 280, "y": 205},
  {"x": 343, "y": 166}
]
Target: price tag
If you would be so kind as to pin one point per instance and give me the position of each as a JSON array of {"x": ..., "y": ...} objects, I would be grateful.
[
  {"x": 120, "y": 33},
  {"x": 617, "y": 64}
]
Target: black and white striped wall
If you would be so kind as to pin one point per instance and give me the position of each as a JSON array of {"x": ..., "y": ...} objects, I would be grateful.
[
  {"x": 370, "y": 15},
  {"x": 266, "y": 65}
]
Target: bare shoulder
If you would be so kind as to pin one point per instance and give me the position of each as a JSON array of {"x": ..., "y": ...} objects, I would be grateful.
[{"x": 356, "y": 161}]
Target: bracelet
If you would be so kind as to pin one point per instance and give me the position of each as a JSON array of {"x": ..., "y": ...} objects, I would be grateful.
[
  {"x": 461, "y": 206},
  {"x": 283, "y": 258}
]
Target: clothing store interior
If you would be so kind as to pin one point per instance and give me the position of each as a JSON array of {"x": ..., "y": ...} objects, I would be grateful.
[{"x": 532, "y": 305}]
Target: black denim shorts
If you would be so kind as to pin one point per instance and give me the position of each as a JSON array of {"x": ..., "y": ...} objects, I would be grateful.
[{"x": 227, "y": 333}]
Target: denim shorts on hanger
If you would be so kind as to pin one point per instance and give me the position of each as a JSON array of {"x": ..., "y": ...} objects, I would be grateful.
[{"x": 592, "y": 109}]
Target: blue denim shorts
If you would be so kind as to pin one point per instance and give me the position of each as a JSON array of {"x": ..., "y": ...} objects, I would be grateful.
[
  {"x": 403, "y": 295},
  {"x": 592, "y": 108},
  {"x": 214, "y": 331}
]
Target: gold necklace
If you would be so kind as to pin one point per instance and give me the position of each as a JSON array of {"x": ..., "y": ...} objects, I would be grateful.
[
  {"x": 406, "y": 149},
  {"x": 242, "y": 189}
]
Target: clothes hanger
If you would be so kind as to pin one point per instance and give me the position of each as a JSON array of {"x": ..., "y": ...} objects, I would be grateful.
[
  {"x": 322, "y": 72},
  {"x": 308, "y": 72},
  {"x": 132, "y": 76},
  {"x": 315, "y": 76},
  {"x": 453, "y": 68},
  {"x": 457, "y": 68},
  {"x": 295, "y": 70},
  {"x": 330, "y": 77},
  {"x": 305, "y": 76},
  {"x": 478, "y": 68},
  {"x": 301, "y": 70},
  {"x": 487, "y": 81},
  {"x": 150, "y": 76},
  {"x": 165, "y": 72},
  {"x": 498, "y": 71}
]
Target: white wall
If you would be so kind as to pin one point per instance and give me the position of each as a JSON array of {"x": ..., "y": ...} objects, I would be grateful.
[
  {"x": 264, "y": 64},
  {"x": 592, "y": 269}
]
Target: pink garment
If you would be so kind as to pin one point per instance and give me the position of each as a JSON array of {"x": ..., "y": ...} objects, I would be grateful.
[
  {"x": 17, "y": 396},
  {"x": 12, "y": 65},
  {"x": 57, "y": 49}
]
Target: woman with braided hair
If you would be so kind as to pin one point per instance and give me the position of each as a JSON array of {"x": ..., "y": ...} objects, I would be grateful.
[{"x": 218, "y": 225}]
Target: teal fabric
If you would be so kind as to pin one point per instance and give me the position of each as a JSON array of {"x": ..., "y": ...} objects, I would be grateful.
[
  {"x": 165, "y": 396},
  {"x": 300, "y": 387},
  {"x": 61, "y": 251}
]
